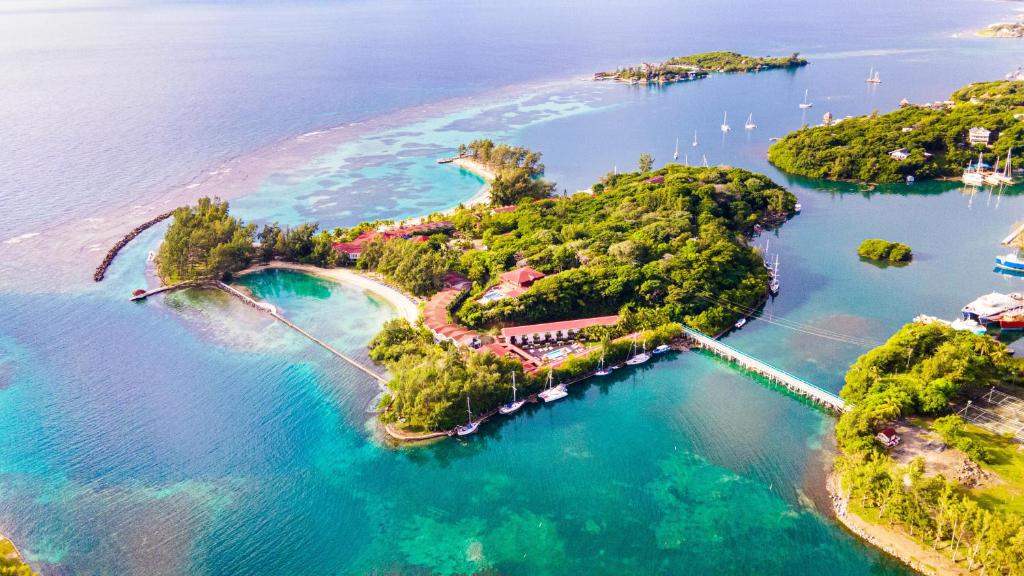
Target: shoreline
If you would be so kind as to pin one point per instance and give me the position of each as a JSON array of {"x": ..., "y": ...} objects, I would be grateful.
[
  {"x": 889, "y": 540},
  {"x": 405, "y": 305}
]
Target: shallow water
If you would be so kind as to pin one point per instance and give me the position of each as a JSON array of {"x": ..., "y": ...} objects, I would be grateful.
[{"x": 191, "y": 435}]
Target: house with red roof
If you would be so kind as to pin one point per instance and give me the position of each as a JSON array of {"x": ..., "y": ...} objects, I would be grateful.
[
  {"x": 521, "y": 277},
  {"x": 564, "y": 330}
]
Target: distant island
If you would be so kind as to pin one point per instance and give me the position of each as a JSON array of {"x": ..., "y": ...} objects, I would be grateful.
[
  {"x": 694, "y": 66},
  {"x": 1003, "y": 30},
  {"x": 885, "y": 251},
  {"x": 928, "y": 472},
  {"x": 920, "y": 141}
]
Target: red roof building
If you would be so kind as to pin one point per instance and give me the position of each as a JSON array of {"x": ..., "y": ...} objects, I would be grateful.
[
  {"x": 554, "y": 330},
  {"x": 888, "y": 437},
  {"x": 521, "y": 277},
  {"x": 503, "y": 209}
]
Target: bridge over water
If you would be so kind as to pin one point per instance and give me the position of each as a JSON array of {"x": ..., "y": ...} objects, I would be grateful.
[{"x": 775, "y": 375}]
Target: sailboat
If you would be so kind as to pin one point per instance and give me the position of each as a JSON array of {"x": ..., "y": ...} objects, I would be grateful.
[
  {"x": 514, "y": 405},
  {"x": 805, "y": 104},
  {"x": 773, "y": 285},
  {"x": 602, "y": 370},
  {"x": 704, "y": 160},
  {"x": 639, "y": 358},
  {"x": 694, "y": 138},
  {"x": 767, "y": 263},
  {"x": 676, "y": 155},
  {"x": 470, "y": 426},
  {"x": 973, "y": 175},
  {"x": 750, "y": 122},
  {"x": 552, "y": 392},
  {"x": 873, "y": 77},
  {"x": 1004, "y": 177},
  {"x": 725, "y": 123}
]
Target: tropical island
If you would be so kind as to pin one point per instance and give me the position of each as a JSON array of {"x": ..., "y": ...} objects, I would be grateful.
[
  {"x": 11, "y": 563},
  {"x": 917, "y": 141},
  {"x": 538, "y": 286},
  {"x": 929, "y": 467},
  {"x": 1003, "y": 30},
  {"x": 694, "y": 66},
  {"x": 885, "y": 251}
]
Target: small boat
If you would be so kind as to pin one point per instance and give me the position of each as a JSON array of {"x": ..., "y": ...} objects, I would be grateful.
[
  {"x": 514, "y": 405},
  {"x": 704, "y": 160},
  {"x": 676, "y": 155},
  {"x": 638, "y": 358},
  {"x": 1006, "y": 175},
  {"x": 750, "y": 122},
  {"x": 602, "y": 370},
  {"x": 725, "y": 123},
  {"x": 694, "y": 138},
  {"x": 773, "y": 284},
  {"x": 552, "y": 392},
  {"x": 910, "y": 178},
  {"x": 1011, "y": 262},
  {"x": 470, "y": 426},
  {"x": 661, "y": 349},
  {"x": 873, "y": 77},
  {"x": 985, "y": 309},
  {"x": 968, "y": 326},
  {"x": 974, "y": 174},
  {"x": 797, "y": 207},
  {"x": 740, "y": 323},
  {"x": 806, "y": 103},
  {"x": 1011, "y": 321},
  {"x": 773, "y": 139}
]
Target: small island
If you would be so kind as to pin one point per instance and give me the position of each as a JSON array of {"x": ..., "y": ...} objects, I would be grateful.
[
  {"x": 1003, "y": 30},
  {"x": 529, "y": 286},
  {"x": 885, "y": 251},
  {"x": 694, "y": 66},
  {"x": 929, "y": 469},
  {"x": 926, "y": 141},
  {"x": 11, "y": 563}
]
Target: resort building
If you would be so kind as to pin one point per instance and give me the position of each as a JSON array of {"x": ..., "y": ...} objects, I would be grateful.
[
  {"x": 978, "y": 135},
  {"x": 513, "y": 284},
  {"x": 900, "y": 154},
  {"x": 435, "y": 318},
  {"x": 416, "y": 233},
  {"x": 553, "y": 331},
  {"x": 888, "y": 437}
]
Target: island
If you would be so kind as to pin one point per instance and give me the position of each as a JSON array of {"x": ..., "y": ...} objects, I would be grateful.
[
  {"x": 885, "y": 251},
  {"x": 929, "y": 468},
  {"x": 916, "y": 142},
  {"x": 11, "y": 563},
  {"x": 694, "y": 66},
  {"x": 529, "y": 286},
  {"x": 1003, "y": 30}
]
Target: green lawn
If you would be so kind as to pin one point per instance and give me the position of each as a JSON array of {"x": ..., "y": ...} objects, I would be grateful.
[{"x": 1007, "y": 462}]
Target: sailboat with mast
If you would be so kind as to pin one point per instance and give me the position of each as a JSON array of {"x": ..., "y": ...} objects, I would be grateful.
[
  {"x": 806, "y": 103},
  {"x": 973, "y": 174},
  {"x": 873, "y": 77},
  {"x": 676, "y": 155},
  {"x": 750, "y": 122},
  {"x": 602, "y": 370},
  {"x": 552, "y": 392},
  {"x": 1006, "y": 175},
  {"x": 773, "y": 284},
  {"x": 639, "y": 358},
  {"x": 514, "y": 405},
  {"x": 725, "y": 123},
  {"x": 470, "y": 426},
  {"x": 694, "y": 138}
]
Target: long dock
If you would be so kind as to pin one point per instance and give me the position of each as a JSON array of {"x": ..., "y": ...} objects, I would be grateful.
[
  {"x": 797, "y": 385},
  {"x": 270, "y": 309}
]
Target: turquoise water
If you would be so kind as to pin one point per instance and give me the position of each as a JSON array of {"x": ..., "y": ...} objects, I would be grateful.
[{"x": 191, "y": 435}]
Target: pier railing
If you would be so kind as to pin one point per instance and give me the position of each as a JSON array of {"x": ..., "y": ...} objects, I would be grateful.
[{"x": 775, "y": 375}]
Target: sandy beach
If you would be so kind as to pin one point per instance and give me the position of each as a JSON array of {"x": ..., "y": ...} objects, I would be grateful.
[
  {"x": 407, "y": 306},
  {"x": 483, "y": 196},
  {"x": 891, "y": 540}
]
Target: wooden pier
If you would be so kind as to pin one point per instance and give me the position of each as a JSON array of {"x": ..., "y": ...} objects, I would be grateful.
[
  {"x": 820, "y": 396},
  {"x": 272, "y": 310}
]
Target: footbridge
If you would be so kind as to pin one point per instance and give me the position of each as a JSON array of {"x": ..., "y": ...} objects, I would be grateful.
[{"x": 778, "y": 376}]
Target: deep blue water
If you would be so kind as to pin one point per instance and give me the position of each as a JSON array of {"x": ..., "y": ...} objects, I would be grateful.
[{"x": 188, "y": 435}]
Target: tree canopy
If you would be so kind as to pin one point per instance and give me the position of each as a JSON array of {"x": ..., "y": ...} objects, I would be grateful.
[{"x": 884, "y": 250}]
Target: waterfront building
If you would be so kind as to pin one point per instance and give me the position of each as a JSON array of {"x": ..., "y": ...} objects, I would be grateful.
[
  {"x": 978, "y": 135},
  {"x": 564, "y": 330}
]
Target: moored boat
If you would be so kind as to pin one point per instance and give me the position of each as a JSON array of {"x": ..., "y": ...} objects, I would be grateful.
[
  {"x": 470, "y": 426},
  {"x": 552, "y": 392},
  {"x": 750, "y": 122},
  {"x": 661, "y": 349},
  {"x": 1011, "y": 321},
  {"x": 602, "y": 369},
  {"x": 985, "y": 309},
  {"x": 725, "y": 123},
  {"x": 1011, "y": 262},
  {"x": 638, "y": 358},
  {"x": 740, "y": 323},
  {"x": 806, "y": 103},
  {"x": 511, "y": 407}
]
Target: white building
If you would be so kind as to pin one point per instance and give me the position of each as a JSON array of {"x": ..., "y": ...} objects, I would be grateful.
[
  {"x": 978, "y": 135},
  {"x": 900, "y": 154}
]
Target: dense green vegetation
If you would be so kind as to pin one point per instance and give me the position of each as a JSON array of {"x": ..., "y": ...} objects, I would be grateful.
[
  {"x": 10, "y": 565},
  {"x": 858, "y": 149},
  {"x": 672, "y": 240},
  {"x": 884, "y": 250},
  {"x": 205, "y": 241},
  {"x": 920, "y": 370},
  {"x": 698, "y": 66},
  {"x": 517, "y": 171},
  {"x": 432, "y": 381},
  {"x": 416, "y": 267},
  {"x": 735, "y": 62}
]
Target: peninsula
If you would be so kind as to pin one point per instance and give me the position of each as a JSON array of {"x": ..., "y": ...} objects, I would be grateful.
[
  {"x": 930, "y": 469},
  {"x": 694, "y": 66},
  {"x": 915, "y": 142},
  {"x": 1003, "y": 30},
  {"x": 11, "y": 563}
]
